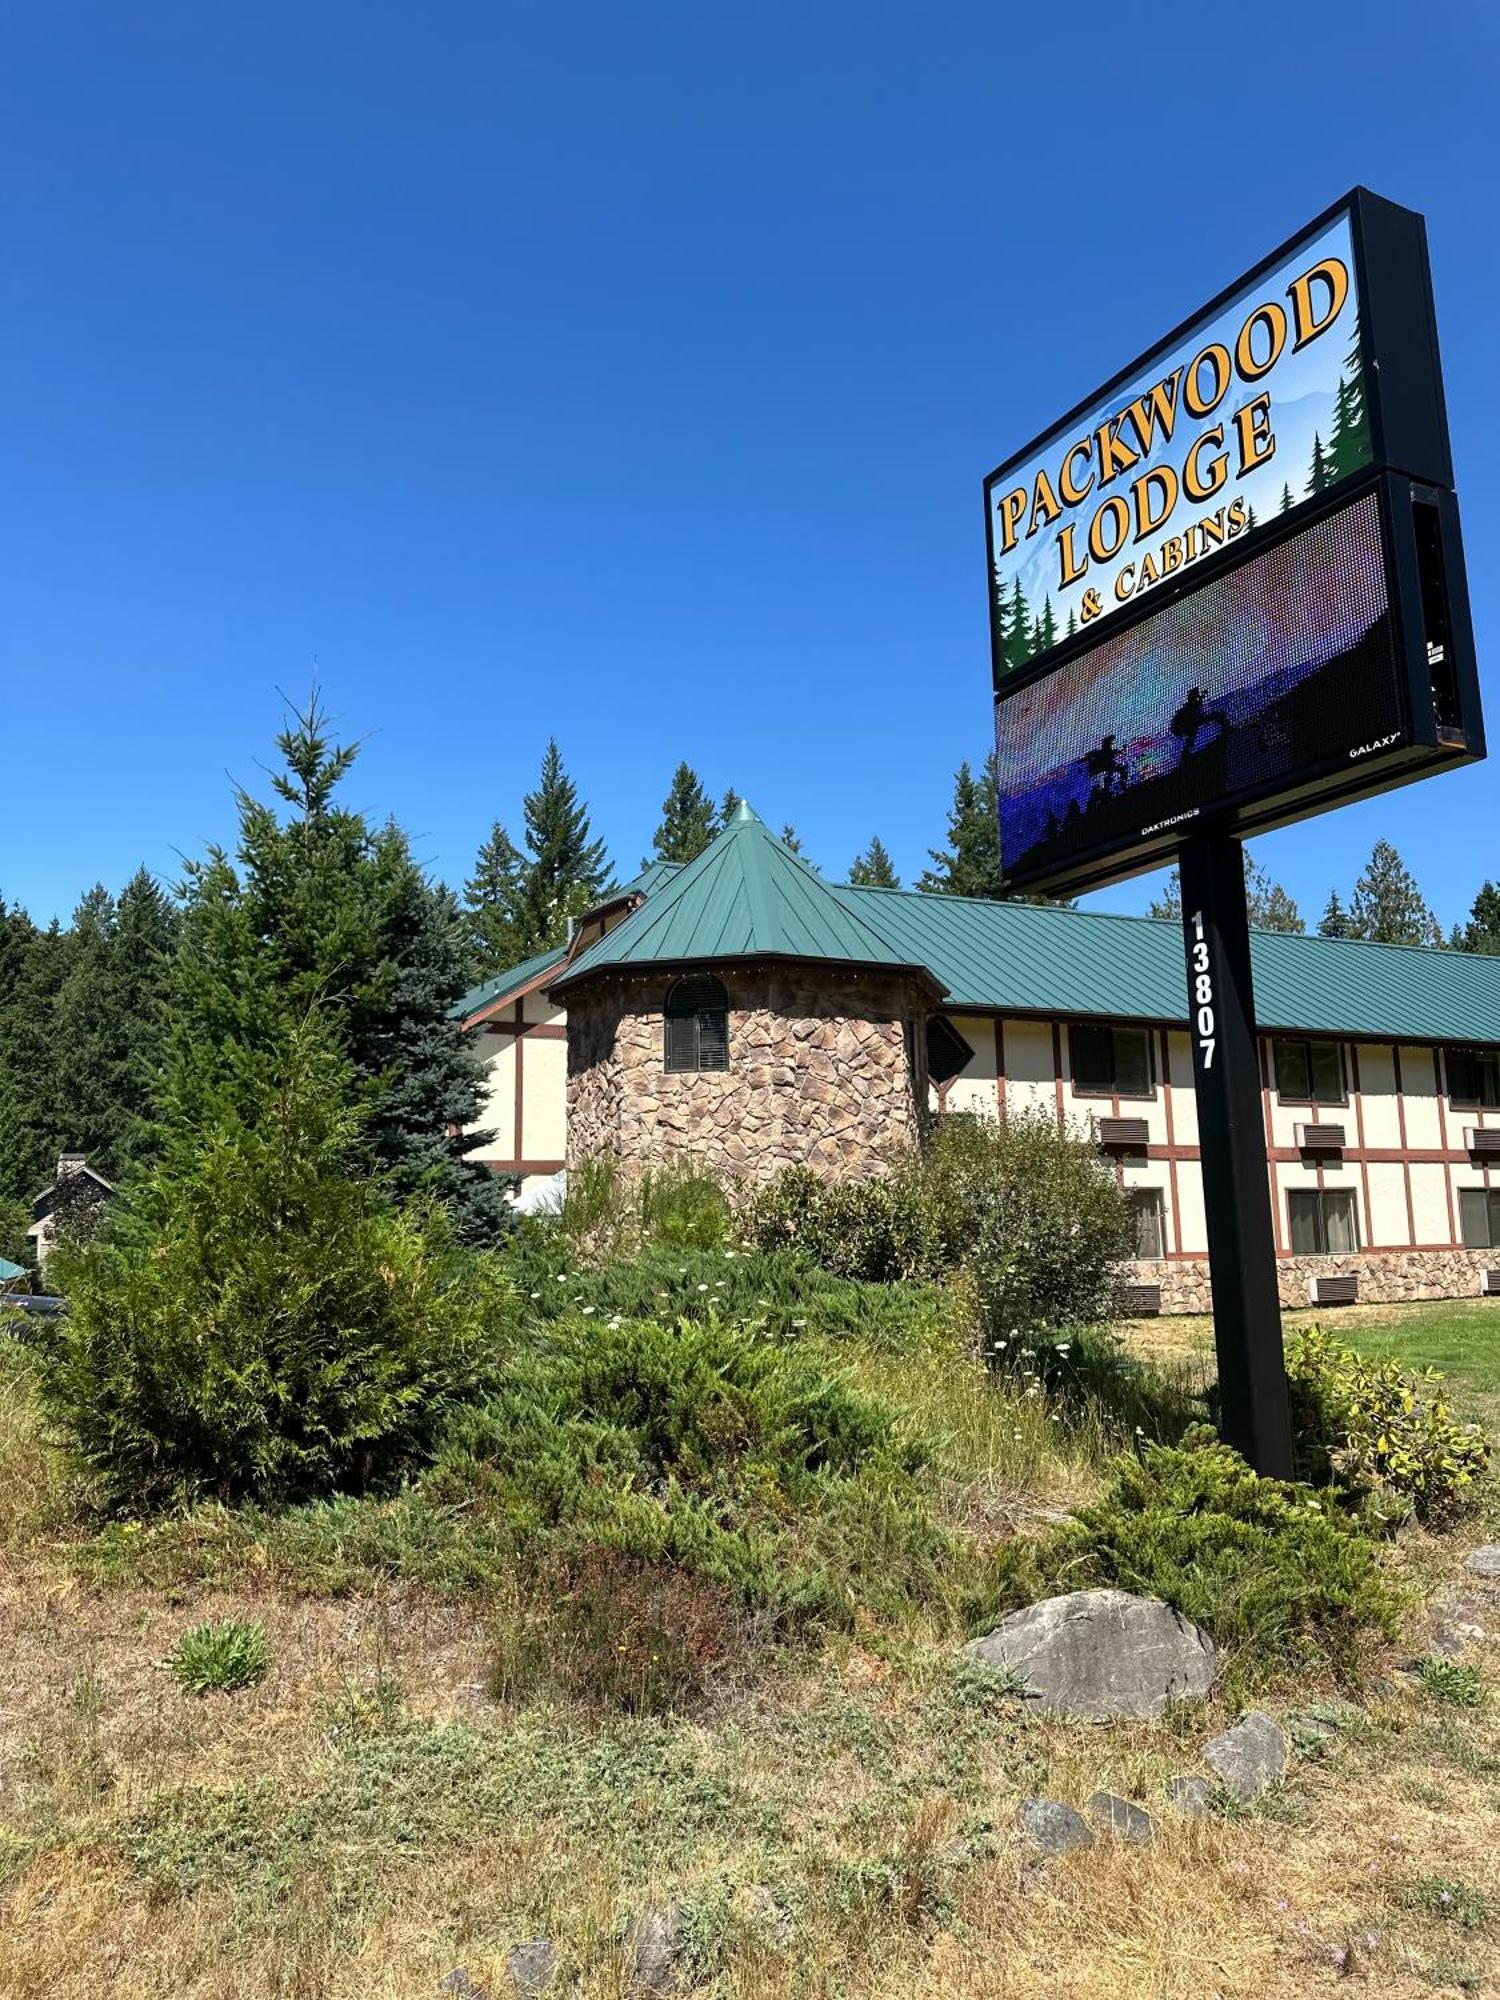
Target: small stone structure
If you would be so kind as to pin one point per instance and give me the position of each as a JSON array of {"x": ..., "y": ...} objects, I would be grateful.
[
  {"x": 1386, "y": 1277},
  {"x": 826, "y": 1068}
]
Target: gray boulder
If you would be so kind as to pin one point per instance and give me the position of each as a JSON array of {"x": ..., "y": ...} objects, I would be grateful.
[
  {"x": 1124, "y": 1820},
  {"x": 1484, "y": 1561},
  {"x": 1098, "y": 1653},
  {"x": 652, "y": 1950},
  {"x": 530, "y": 1967},
  {"x": 1193, "y": 1796},
  {"x": 1250, "y": 1756},
  {"x": 1055, "y": 1828}
]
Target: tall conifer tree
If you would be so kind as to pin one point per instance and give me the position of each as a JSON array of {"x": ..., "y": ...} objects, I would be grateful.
[
  {"x": 566, "y": 870},
  {"x": 1388, "y": 907},
  {"x": 874, "y": 869},
  {"x": 688, "y": 821},
  {"x": 492, "y": 904}
]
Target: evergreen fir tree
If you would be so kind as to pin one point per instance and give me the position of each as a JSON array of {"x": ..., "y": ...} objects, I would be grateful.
[
  {"x": 1048, "y": 630},
  {"x": 1250, "y": 520},
  {"x": 790, "y": 837},
  {"x": 1482, "y": 932},
  {"x": 1335, "y": 921},
  {"x": 729, "y": 805},
  {"x": 687, "y": 818},
  {"x": 969, "y": 865},
  {"x": 109, "y": 1022},
  {"x": 492, "y": 904},
  {"x": 33, "y": 966},
  {"x": 318, "y": 911},
  {"x": 1072, "y": 623},
  {"x": 1267, "y": 904},
  {"x": 1317, "y": 477},
  {"x": 1388, "y": 907},
  {"x": 1286, "y": 500},
  {"x": 874, "y": 869},
  {"x": 566, "y": 872}
]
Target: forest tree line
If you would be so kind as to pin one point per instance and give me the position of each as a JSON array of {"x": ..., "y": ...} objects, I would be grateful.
[{"x": 153, "y": 1011}]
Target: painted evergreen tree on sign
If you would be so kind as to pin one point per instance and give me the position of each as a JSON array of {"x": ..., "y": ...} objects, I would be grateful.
[
  {"x": 688, "y": 822},
  {"x": 1015, "y": 632},
  {"x": 1286, "y": 500},
  {"x": 1349, "y": 440},
  {"x": 1317, "y": 477},
  {"x": 874, "y": 869}
]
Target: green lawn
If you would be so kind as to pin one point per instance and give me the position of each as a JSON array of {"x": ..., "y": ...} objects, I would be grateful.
[{"x": 1461, "y": 1337}]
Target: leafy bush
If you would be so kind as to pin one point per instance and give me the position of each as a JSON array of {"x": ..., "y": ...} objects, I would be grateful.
[
  {"x": 1376, "y": 1426},
  {"x": 1276, "y": 1571},
  {"x": 266, "y": 1323},
  {"x": 1035, "y": 1216},
  {"x": 608, "y": 1213},
  {"x": 696, "y": 1446},
  {"x": 875, "y": 1230},
  {"x": 220, "y": 1659}
]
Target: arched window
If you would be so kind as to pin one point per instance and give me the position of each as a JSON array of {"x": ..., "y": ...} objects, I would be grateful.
[{"x": 697, "y": 1024}]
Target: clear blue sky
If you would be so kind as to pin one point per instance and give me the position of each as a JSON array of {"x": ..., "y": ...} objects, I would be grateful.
[{"x": 629, "y": 373}]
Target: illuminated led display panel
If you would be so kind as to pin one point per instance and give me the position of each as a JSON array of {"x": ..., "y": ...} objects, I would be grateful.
[{"x": 1320, "y": 666}]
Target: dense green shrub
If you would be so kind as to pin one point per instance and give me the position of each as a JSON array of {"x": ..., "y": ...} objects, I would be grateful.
[
  {"x": 265, "y": 1322},
  {"x": 1281, "y": 1573},
  {"x": 1377, "y": 1426},
  {"x": 1033, "y": 1215},
  {"x": 694, "y": 1445},
  {"x": 220, "y": 1659},
  {"x": 608, "y": 1213},
  {"x": 873, "y": 1230},
  {"x": 776, "y": 1295}
]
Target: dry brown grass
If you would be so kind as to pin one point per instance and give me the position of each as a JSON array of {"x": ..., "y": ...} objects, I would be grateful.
[{"x": 368, "y": 1819}]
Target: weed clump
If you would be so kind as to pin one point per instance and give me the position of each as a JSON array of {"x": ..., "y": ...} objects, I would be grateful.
[
  {"x": 1381, "y": 1429},
  {"x": 220, "y": 1658}
]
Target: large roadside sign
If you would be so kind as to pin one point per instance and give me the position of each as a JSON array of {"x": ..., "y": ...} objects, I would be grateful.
[{"x": 1227, "y": 590}]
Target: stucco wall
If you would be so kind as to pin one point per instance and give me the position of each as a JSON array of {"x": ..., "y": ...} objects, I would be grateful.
[{"x": 818, "y": 1073}]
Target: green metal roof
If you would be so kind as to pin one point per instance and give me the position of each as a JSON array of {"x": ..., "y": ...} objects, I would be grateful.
[
  {"x": 1031, "y": 959},
  {"x": 747, "y": 895},
  {"x": 506, "y": 982}
]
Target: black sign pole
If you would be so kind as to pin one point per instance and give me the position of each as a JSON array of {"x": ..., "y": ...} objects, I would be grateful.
[{"x": 1255, "y": 1413}]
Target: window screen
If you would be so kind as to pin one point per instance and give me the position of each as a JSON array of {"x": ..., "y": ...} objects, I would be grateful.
[{"x": 697, "y": 1025}]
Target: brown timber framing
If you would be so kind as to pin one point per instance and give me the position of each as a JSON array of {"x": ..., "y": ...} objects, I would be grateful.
[{"x": 1359, "y": 1155}]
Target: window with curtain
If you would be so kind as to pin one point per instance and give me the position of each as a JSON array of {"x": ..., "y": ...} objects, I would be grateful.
[
  {"x": 697, "y": 1025},
  {"x": 1324, "y": 1222},
  {"x": 1150, "y": 1210}
]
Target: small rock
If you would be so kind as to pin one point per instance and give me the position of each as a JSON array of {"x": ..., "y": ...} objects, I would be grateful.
[
  {"x": 767, "y": 1914},
  {"x": 1124, "y": 1820},
  {"x": 1099, "y": 1653},
  {"x": 530, "y": 1966},
  {"x": 651, "y": 1947},
  {"x": 1192, "y": 1796},
  {"x": 1250, "y": 1756},
  {"x": 1484, "y": 1561},
  {"x": 460, "y": 1983},
  {"x": 1053, "y": 1826}
]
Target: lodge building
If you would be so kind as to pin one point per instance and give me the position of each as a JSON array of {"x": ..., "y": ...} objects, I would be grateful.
[{"x": 745, "y": 1013}]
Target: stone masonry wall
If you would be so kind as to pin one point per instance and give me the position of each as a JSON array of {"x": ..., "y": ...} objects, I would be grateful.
[
  {"x": 1386, "y": 1277},
  {"x": 818, "y": 1074}
]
